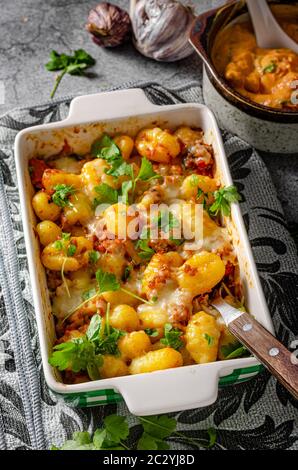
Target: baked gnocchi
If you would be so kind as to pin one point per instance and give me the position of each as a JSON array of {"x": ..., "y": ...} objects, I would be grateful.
[{"x": 130, "y": 292}]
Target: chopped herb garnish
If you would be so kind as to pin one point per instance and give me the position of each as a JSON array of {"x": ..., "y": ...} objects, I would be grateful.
[
  {"x": 89, "y": 294},
  {"x": 107, "y": 149},
  {"x": 209, "y": 339},
  {"x": 127, "y": 272},
  {"x": 224, "y": 197},
  {"x": 71, "y": 250},
  {"x": 62, "y": 194},
  {"x": 151, "y": 332},
  {"x": 58, "y": 245},
  {"x": 93, "y": 257},
  {"x": 145, "y": 252},
  {"x": 172, "y": 337},
  {"x": 270, "y": 68},
  {"x": 146, "y": 172},
  {"x": 77, "y": 355},
  {"x": 106, "y": 281},
  {"x": 65, "y": 236},
  {"x": 106, "y": 194}
]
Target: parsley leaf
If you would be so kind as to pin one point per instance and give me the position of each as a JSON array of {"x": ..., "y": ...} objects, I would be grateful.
[
  {"x": 115, "y": 432},
  {"x": 73, "y": 64},
  {"x": 166, "y": 221},
  {"x": 151, "y": 332},
  {"x": 74, "y": 355},
  {"x": 106, "y": 194},
  {"x": 158, "y": 427},
  {"x": 117, "y": 428},
  {"x": 125, "y": 188},
  {"x": 93, "y": 257},
  {"x": 106, "y": 281},
  {"x": 223, "y": 199},
  {"x": 146, "y": 171},
  {"x": 71, "y": 250},
  {"x": 172, "y": 337},
  {"x": 145, "y": 252},
  {"x": 89, "y": 293},
  {"x": 209, "y": 339},
  {"x": 270, "y": 68},
  {"x": 62, "y": 193},
  {"x": 127, "y": 272},
  {"x": 106, "y": 148}
]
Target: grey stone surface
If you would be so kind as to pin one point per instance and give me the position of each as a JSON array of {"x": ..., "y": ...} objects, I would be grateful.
[{"x": 30, "y": 29}]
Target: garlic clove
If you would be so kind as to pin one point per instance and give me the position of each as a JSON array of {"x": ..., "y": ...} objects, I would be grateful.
[
  {"x": 109, "y": 25},
  {"x": 161, "y": 29}
]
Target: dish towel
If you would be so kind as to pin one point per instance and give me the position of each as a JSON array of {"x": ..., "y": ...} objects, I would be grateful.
[{"x": 258, "y": 414}]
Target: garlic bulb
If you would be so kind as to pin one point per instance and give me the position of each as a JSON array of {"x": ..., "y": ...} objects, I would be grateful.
[
  {"x": 109, "y": 25},
  {"x": 161, "y": 29}
]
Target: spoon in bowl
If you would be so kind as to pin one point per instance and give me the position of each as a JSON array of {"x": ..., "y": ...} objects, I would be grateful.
[{"x": 268, "y": 32}]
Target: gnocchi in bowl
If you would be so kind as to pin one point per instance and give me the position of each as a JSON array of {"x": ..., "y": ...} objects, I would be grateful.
[{"x": 135, "y": 248}]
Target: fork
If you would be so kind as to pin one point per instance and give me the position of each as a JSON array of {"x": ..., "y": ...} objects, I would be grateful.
[{"x": 263, "y": 345}]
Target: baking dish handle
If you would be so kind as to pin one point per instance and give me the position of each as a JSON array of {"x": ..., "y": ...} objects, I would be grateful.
[
  {"x": 170, "y": 390},
  {"x": 103, "y": 106}
]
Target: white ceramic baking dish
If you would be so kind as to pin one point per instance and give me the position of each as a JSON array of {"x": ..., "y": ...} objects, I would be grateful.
[{"x": 162, "y": 391}]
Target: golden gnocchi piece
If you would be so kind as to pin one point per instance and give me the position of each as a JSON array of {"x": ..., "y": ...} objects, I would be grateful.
[
  {"x": 166, "y": 358},
  {"x": 134, "y": 344},
  {"x": 124, "y": 317},
  {"x": 152, "y": 317},
  {"x": 188, "y": 136},
  {"x": 56, "y": 257},
  {"x": 93, "y": 174},
  {"x": 68, "y": 165},
  {"x": 113, "y": 263},
  {"x": 202, "y": 336},
  {"x": 200, "y": 273},
  {"x": 79, "y": 209},
  {"x": 112, "y": 367},
  {"x": 193, "y": 183},
  {"x": 157, "y": 145},
  {"x": 159, "y": 270},
  {"x": 119, "y": 297},
  {"x": 52, "y": 178},
  {"x": 48, "y": 232},
  {"x": 125, "y": 144},
  {"x": 121, "y": 220},
  {"x": 44, "y": 208}
]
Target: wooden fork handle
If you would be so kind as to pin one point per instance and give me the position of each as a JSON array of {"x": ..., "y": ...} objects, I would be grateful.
[{"x": 282, "y": 363}]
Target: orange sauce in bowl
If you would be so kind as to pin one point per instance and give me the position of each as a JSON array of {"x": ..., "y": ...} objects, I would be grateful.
[{"x": 266, "y": 76}]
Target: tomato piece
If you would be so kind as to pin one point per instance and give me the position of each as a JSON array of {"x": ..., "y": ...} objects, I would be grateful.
[{"x": 36, "y": 169}]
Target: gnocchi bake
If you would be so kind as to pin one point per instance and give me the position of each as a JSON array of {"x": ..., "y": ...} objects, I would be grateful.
[{"x": 130, "y": 274}]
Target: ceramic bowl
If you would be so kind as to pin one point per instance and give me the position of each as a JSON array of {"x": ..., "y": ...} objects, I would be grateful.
[{"x": 267, "y": 129}]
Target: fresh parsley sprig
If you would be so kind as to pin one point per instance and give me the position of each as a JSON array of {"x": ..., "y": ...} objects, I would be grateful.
[
  {"x": 172, "y": 337},
  {"x": 156, "y": 431},
  {"x": 62, "y": 193},
  {"x": 106, "y": 282},
  {"x": 85, "y": 353},
  {"x": 223, "y": 198},
  {"x": 73, "y": 64},
  {"x": 107, "y": 149},
  {"x": 77, "y": 355}
]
